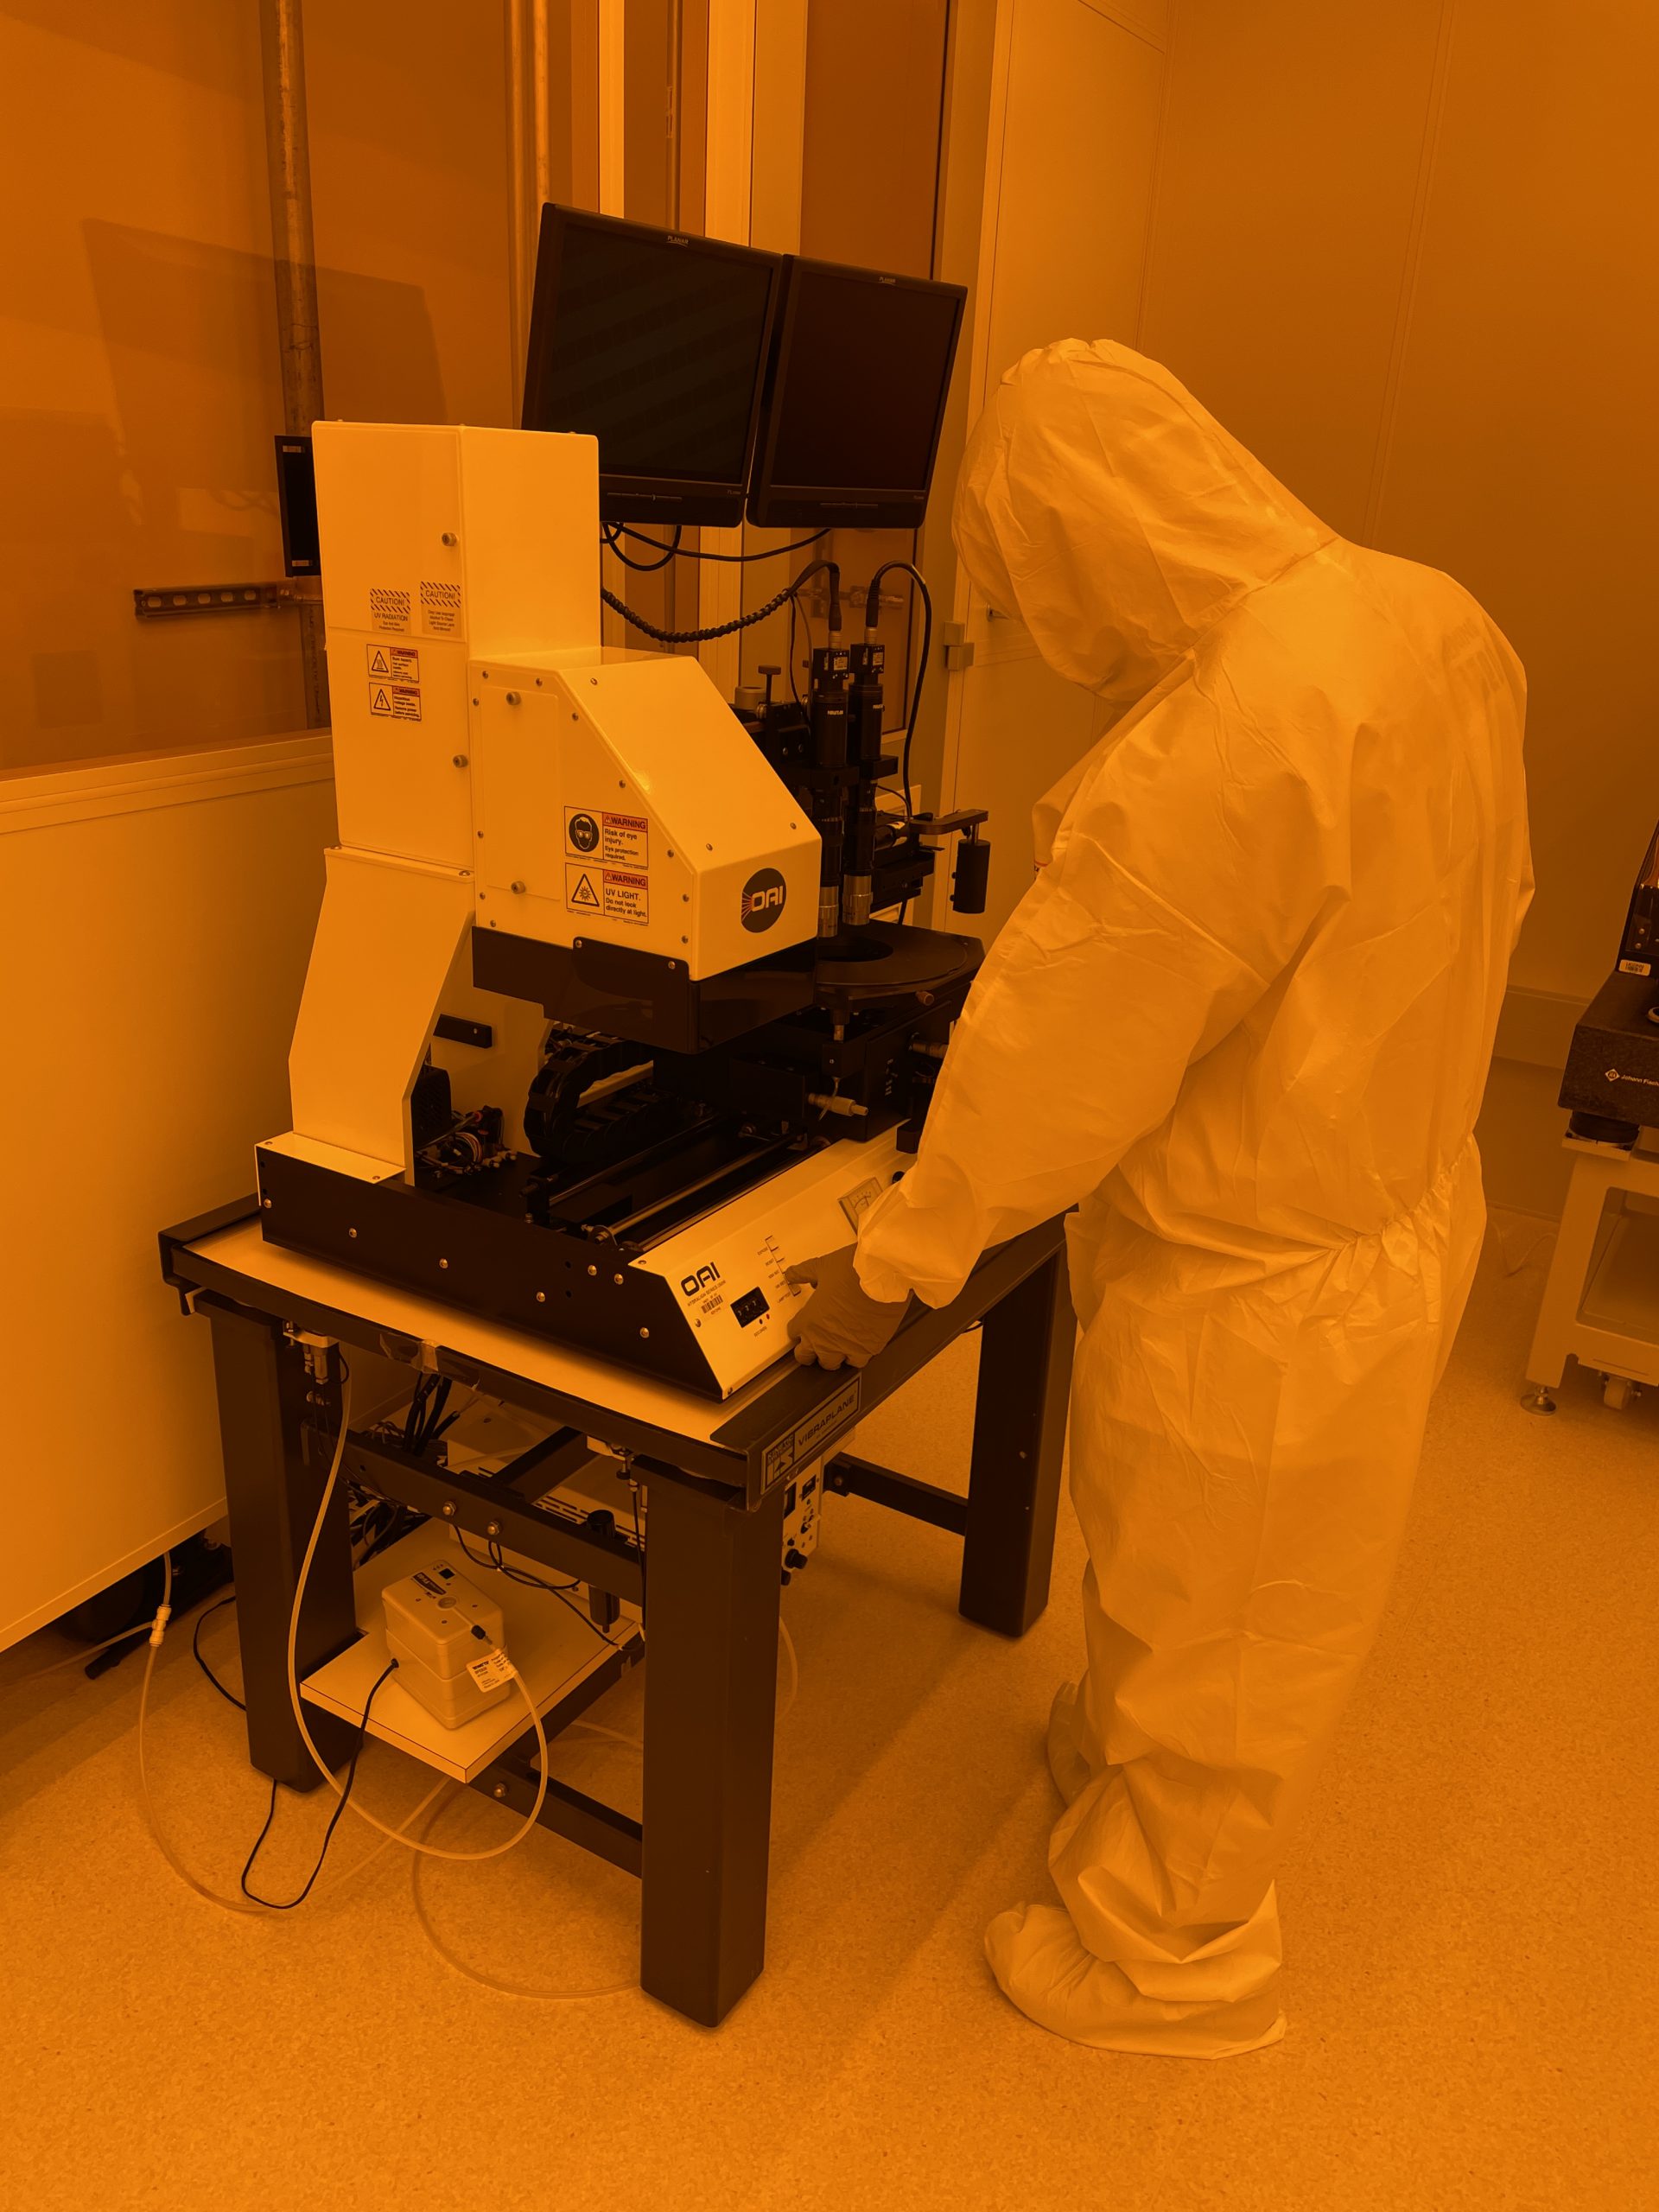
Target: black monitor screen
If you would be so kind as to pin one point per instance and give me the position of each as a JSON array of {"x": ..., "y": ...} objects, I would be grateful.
[
  {"x": 656, "y": 349},
  {"x": 858, "y": 394}
]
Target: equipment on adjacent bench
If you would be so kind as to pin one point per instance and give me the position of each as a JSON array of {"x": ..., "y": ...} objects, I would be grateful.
[{"x": 1612, "y": 1081}]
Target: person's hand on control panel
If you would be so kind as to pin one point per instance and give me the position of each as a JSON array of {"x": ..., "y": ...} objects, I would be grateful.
[{"x": 841, "y": 1325}]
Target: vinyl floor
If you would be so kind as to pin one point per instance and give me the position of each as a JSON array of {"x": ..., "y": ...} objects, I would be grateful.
[{"x": 1470, "y": 1911}]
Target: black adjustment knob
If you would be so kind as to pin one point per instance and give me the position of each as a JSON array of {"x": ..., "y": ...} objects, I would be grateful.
[
  {"x": 794, "y": 1559},
  {"x": 769, "y": 671}
]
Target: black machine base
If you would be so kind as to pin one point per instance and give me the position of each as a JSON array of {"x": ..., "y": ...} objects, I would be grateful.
[{"x": 472, "y": 1247}]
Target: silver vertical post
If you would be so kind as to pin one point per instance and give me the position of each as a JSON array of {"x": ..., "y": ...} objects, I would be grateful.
[{"x": 295, "y": 259}]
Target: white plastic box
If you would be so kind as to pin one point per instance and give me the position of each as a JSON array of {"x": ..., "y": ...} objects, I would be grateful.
[{"x": 431, "y": 1619}]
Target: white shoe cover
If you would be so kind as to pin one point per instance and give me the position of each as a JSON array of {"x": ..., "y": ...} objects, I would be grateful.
[{"x": 1042, "y": 1968}]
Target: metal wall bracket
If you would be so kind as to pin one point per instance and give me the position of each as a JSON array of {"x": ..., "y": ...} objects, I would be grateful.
[
  {"x": 213, "y": 599},
  {"x": 958, "y": 648}
]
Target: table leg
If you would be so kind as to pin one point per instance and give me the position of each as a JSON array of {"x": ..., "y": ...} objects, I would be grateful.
[
  {"x": 712, "y": 1576},
  {"x": 273, "y": 1495},
  {"x": 1013, "y": 1486}
]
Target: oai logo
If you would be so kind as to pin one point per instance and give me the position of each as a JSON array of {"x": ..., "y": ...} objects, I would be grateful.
[{"x": 764, "y": 897}]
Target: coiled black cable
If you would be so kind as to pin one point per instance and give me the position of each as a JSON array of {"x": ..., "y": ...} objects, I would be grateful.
[{"x": 739, "y": 622}]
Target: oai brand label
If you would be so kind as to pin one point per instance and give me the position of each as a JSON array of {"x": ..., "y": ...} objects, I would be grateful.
[{"x": 765, "y": 895}]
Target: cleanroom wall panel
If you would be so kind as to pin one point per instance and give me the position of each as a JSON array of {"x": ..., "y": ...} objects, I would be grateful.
[
  {"x": 1408, "y": 250},
  {"x": 159, "y": 914},
  {"x": 1523, "y": 452},
  {"x": 408, "y": 104},
  {"x": 139, "y": 380},
  {"x": 1288, "y": 174}
]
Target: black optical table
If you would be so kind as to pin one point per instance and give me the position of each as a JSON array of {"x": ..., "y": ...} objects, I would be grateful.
[{"x": 715, "y": 1477}]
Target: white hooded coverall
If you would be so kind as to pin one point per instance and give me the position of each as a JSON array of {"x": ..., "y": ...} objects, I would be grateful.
[{"x": 1242, "y": 1020}]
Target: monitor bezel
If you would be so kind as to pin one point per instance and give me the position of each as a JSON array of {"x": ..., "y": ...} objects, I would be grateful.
[
  {"x": 691, "y": 500},
  {"x": 775, "y": 504}
]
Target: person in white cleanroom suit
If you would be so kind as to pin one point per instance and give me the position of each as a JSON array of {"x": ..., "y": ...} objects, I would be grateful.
[{"x": 1242, "y": 1020}]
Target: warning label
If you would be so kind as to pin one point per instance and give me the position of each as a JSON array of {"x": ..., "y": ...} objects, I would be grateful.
[
  {"x": 400, "y": 702},
  {"x": 492, "y": 1670},
  {"x": 441, "y": 608},
  {"x": 620, "y": 841},
  {"x": 627, "y": 898},
  {"x": 617, "y": 894},
  {"x": 390, "y": 663},
  {"x": 388, "y": 609}
]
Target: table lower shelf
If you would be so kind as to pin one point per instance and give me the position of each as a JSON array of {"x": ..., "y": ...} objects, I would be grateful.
[
  {"x": 1623, "y": 1292},
  {"x": 556, "y": 1654}
]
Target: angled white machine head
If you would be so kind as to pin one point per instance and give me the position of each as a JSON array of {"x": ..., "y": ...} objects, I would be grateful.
[{"x": 495, "y": 766}]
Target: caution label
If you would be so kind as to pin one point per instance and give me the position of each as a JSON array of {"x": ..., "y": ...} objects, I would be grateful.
[
  {"x": 441, "y": 608},
  {"x": 389, "y": 608},
  {"x": 400, "y": 703},
  {"x": 620, "y": 841},
  {"x": 492, "y": 1670},
  {"x": 626, "y": 896},
  {"x": 616, "y": 894},
  {"x": 390, "y": 663}
]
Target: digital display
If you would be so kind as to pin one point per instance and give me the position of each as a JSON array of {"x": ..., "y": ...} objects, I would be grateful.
[
  {"x": 858, "y": 394},
  {"x": 864, "y": 384},
  {"x": 656, "y": 349}
]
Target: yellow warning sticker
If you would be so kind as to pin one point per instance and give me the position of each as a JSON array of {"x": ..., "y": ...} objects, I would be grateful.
[
  {"x": 620, "y": 841},
  {"x": 626, "y": 896},
  {"x": 614, "y": 894},
  {"x": 399, "y": 702},
  {"x": 441, "y": 608},
  {"x": 389, "y": 608},
  {"x": 393, "y": 663}
]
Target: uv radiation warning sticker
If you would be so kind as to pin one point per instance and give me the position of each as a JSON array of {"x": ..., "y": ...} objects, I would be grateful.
[
  {"x": 388, "y": 609},
  {"x": 618, "y": 894},
  {"x": 582, "y": 890}
]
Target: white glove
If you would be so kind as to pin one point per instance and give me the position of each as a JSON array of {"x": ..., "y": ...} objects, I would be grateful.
[{"x": 841, "y": 1323}]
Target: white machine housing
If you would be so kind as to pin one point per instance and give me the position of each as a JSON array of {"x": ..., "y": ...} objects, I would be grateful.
[
  {"x": 616, "y": 796},
  {"x": 495, "y": 764}
]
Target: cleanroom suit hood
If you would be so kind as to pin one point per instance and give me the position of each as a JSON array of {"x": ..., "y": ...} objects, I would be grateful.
[
  {"x": 1169, "y": 522},
  {"x": 1241, "y": 1023}
]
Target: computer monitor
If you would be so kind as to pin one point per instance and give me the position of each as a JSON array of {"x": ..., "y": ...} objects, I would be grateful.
[
  {"x": 855, "y": 398},
  {"x": 657, "y": 343}
]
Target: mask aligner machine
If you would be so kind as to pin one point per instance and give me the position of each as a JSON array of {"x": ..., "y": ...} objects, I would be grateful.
[{"x": 576, "y": 1051}]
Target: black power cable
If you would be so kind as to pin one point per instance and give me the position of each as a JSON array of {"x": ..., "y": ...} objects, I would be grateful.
[
  {"x": 613, "y": 539},
  {"x": 278, "y": 1905},
  {"x": 871, "y": 610},
  {"x": 229, "y": 1696},
  {"x": 738, "y": 622},
  {"x": 694, "y": 637},
  {"x": 496, "y": 1564},
  {"x": 688, "y": 553}
]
